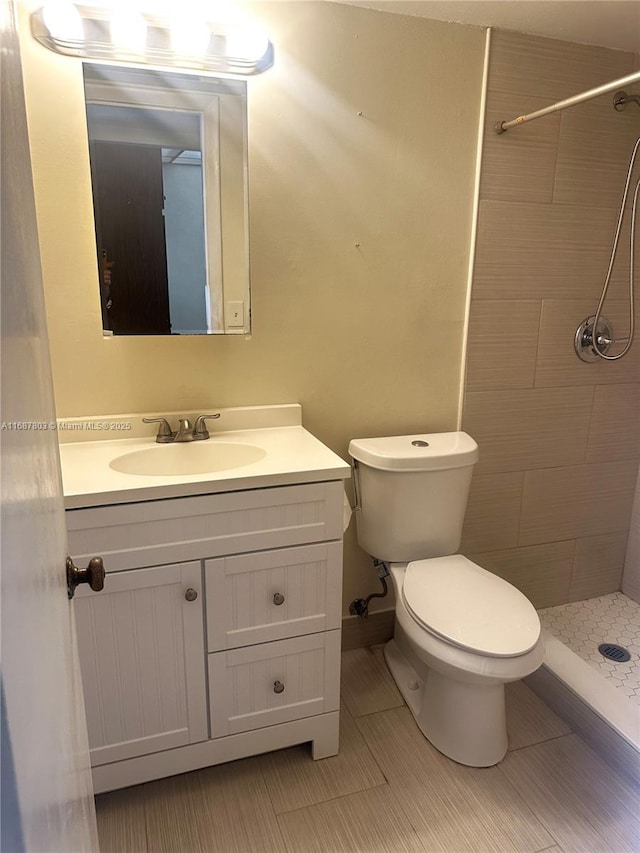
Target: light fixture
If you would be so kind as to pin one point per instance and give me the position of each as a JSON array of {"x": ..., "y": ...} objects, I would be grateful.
[
  {"x": 120, "y": 33},
  {"x": 190, "y": 36},
  {"x": 128, "y": 30}
]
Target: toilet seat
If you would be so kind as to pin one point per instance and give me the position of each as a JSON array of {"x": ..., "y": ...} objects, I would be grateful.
[{"x": 469, "y": 607}]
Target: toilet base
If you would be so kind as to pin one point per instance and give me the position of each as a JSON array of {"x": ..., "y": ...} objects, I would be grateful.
[{"x": 464, "y": 721}]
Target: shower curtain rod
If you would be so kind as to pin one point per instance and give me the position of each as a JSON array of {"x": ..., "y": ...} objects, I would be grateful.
[{"x": 503, "y": 126}]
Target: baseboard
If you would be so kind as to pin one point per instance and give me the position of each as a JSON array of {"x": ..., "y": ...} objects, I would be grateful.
[
  {"x": 361, "y": 632},
  {"x": 602, "y": 737}
]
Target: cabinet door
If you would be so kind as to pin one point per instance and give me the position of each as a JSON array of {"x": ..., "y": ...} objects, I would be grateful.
[
  {"x": 271, "y": 595},
  {"x": 142, "y": 656}
]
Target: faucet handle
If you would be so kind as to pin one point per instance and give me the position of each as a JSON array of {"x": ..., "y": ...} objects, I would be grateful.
[
  {"x": 165, "y": 433},
  {"x": 200, "y": 431}
]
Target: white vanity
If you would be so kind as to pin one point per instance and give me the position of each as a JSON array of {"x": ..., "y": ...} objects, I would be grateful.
[{"x": 217, "y": 633}]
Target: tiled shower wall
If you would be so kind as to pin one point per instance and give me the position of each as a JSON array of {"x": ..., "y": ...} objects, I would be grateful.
[
  {"x": 559, "y": 439},
  {"x": 631, "y": 572}
]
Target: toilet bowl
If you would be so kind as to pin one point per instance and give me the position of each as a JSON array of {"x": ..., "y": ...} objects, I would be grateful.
[
  {"x": 451, "y": 672},
  {"x": 461, "y": 632}
]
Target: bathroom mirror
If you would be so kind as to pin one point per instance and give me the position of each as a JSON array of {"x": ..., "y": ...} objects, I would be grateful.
[{"x": 168, "y": 154}]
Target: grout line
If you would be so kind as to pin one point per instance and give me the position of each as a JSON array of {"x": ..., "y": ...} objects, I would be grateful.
[
  {"x": 522, "y": 485},
  {"x": 556, "y": 159},
  {"x": 534, "y": 386},
  {"x": 571, "y": 734},
  {"x": 572, "y": 576},
  {"x": 402, "y": 704},
  {"x": 544, "y": 740},
  {"x": 384, "y": 784}
]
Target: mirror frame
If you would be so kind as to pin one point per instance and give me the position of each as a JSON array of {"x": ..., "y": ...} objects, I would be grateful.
[{"x": 221, "y": 105}]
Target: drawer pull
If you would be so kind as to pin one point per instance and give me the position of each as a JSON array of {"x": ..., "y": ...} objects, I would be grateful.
[
  {"x": 191, "y": 594},
  {"x": 278, "y": 687},
  {"x": 278, "y": 598}
]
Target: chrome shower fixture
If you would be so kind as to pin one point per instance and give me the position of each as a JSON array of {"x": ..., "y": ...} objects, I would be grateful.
[
  {"x": 622, "y": 98},
  {"x": 599, "y": 342},
  {"x": 583, "y": 341}
]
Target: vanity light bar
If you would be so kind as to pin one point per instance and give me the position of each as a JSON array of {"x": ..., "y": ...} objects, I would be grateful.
[{"x": 88, "y": 33}]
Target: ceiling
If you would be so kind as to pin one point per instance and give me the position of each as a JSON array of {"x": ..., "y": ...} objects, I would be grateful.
[{"x": 609, "y": 23}]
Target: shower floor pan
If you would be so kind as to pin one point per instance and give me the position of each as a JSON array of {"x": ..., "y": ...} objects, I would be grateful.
[{"x": 598, "y": 695}]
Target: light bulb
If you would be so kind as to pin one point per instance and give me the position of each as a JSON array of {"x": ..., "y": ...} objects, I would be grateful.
[
  {"x": 190, "y": 37},
  {"x": 128, "y": 30},
  {"x": 63, "y": 21},
  {"x": 246, "y": 42}
]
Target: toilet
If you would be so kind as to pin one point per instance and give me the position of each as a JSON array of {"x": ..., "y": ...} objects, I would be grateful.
[{"x": 461, "y": 632}]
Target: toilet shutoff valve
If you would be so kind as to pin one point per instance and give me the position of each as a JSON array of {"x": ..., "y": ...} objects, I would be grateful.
[{"x": 381, "y": 568}]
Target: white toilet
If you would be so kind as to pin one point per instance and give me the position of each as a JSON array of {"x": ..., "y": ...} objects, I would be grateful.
[{"x": 461, "y": 632}]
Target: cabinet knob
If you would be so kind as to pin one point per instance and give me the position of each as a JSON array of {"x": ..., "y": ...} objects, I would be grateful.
[
  {"x": 278, "y": 598},
  {"x": 278, "y": 687},
  {"x": 191, "y": 594},
  {"x": 93, "y": 575}
]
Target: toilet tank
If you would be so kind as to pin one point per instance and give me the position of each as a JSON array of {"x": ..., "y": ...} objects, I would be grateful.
[{"x": 412, "y": 493}]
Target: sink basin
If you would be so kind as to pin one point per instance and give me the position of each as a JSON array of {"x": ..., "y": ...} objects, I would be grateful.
[{"x": 197, "y": 457}]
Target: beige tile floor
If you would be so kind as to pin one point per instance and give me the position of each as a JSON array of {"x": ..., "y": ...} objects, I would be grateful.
[{"x": 388, "y": 791}]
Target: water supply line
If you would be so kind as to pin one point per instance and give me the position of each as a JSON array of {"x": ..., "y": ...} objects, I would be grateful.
[
  {"x": 593, "y": 336},
  {"x": 360, "y": 606}
]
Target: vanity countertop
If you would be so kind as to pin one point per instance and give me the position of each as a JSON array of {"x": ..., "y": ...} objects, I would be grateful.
[{"x": 291, "y": 455}]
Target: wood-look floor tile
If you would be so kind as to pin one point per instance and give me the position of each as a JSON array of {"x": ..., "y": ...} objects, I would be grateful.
[
  {"x": 453, "y": 808},
  {"x": 529, "y": 719},
  {"x": 369, "y": 822},
  {"x": 367, "y": 685},
  {"x": 294, "y": 780},
  {"x": 121, "y": 821},
  {"x": 223, "y": 809},
  {"x": 579, "y": 799}
]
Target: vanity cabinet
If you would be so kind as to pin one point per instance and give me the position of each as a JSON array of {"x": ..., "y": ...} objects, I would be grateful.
[{"x": 217, "y": 634}]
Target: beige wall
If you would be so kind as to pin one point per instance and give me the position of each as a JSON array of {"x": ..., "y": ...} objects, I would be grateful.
[
  {"x": 559, "y": 439},
  {"x": 359, "y": 235}
]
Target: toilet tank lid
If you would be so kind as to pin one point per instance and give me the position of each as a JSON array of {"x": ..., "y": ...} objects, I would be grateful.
[{"x": 424, "y": 452}]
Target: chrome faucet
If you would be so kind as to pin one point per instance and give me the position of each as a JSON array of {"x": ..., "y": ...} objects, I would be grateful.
[{"x": 185, "y": 431}]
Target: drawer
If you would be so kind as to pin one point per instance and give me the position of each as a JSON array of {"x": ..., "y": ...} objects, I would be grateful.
[
  {"x": 129, "y": 536},
  {"x": 245, "y": 684},
  {"x": 271, "y": 595}
]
